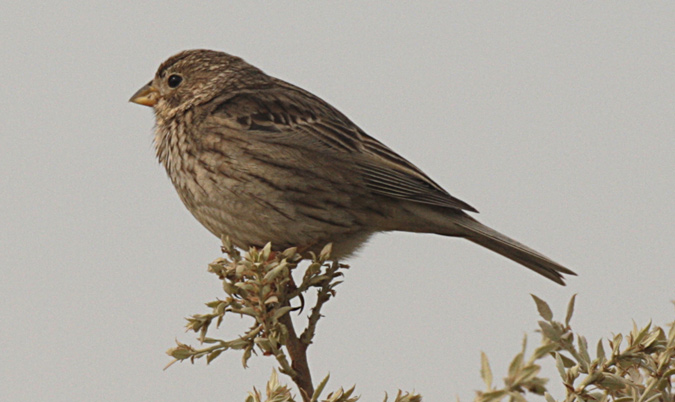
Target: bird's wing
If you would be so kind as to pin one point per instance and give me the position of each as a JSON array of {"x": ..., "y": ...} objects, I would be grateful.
[{"x": 288, "y": 111}]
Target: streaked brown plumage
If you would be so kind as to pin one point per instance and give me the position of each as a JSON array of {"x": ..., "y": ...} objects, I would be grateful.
[{"x": 259, "y": 159}]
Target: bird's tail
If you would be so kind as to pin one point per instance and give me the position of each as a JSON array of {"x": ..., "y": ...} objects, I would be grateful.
[{"x": 509, "y": 248}]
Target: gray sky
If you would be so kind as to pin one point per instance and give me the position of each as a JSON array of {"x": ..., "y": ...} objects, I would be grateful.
[{"x": 555, "y": 121}]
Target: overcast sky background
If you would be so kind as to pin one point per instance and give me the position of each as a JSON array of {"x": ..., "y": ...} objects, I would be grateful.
[{"x": 555, "y": 121}]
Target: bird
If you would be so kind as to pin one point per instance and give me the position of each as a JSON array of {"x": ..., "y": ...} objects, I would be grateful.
[{"x": 261, "y": 160}]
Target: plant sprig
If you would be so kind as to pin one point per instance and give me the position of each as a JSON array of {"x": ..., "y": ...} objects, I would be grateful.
[{"x": 641, "y": 371}]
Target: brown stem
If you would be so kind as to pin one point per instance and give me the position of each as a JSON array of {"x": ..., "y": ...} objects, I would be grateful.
[{"x": 298, "y": 352}]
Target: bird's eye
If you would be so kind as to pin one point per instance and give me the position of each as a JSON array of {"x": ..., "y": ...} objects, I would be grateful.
[{"x": 174, "y": 80}]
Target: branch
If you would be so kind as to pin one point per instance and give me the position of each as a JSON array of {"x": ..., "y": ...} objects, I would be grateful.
[{"x": 259, "y": 285}]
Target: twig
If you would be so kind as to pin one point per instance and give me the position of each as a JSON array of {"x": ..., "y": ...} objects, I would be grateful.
[
  {"x": 297, "y": 349},
  {"x": 323, "y": 295}
]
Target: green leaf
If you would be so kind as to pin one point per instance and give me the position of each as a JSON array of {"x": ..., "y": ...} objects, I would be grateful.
[
  {"x": 560, "y": 366},
  {"x": 272, "y": 274},
  {"x": 213, "y": 304},
  {"x": 616, "y": 343},
  {"x": 319, "y": 388},
  {"x": 247, "y": 355},
  {"x": 590, "y": 379},
  {"x": 643, "y": 333},
  {"x": 567, "y": 362},
  {"x": 543, "y": 308},
  {"x": 265, "y": 252},
  {"x": 517, "y": 397},
  {"x": 570, "y": 310},
  {"x": 326, "y": 251},
  {"x": 272, "y": 299},
  {"x": 583, "y": 349},
  {"x": 213, "y": 355},
  {"x": 613, "y": 382},
  {"x": 289, "y": 252},
  {"x": 281, "y": 311},
  {"x": 669, "y": 373},
  {"x": 229, "y": 288},
  {"x": 227, "y": 243},
  {"x": 273, "y": 382},
  {"x": 543, "y": 350},
  {"x": 493, "y": 395},
  {"x": 549, "y": 331},
  {"x": 515, "y": 365},
  {"x": 655, "y": 336},
  {"x": 250, "y": 311},
  {"x": 485, "y": 371},
  {"x": 537, "y": 385},
  {"x": 238, "y": 344},
  {"x": 253, "y": 254},
  {"x": 654, "y": 397},
  {"x": 264, "y": 344},
  {"x": 528, "y": 373},
  {"x": 600, "y": 352}
]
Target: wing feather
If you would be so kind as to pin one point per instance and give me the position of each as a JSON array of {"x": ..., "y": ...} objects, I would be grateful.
[{"x": 283, "y": 109}]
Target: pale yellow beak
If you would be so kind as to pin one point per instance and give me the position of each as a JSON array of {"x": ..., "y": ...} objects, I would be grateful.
[{"x": 146, "y": 96}]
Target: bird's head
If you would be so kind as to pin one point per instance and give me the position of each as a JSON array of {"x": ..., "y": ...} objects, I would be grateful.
[{"x": 194, "y": 77}]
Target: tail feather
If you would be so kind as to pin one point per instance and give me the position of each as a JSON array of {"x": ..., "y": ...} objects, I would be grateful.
[{"x": 509, "y": 248}]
